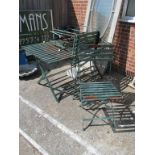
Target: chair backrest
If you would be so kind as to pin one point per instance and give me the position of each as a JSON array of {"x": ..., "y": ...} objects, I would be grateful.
[
  {"x": 77, "y": 40},
  {"x": 35, "y": 26},
  {"x": 104, "y": 52},
  {"x": 100, "y": 59},
  {"x": 83, "y": 40}
]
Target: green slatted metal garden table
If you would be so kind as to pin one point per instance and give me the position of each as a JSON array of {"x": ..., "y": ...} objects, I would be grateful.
[{"x": 49, "y": 54}]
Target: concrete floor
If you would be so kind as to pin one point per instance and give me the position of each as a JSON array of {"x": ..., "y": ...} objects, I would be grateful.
[
  {"x": 25, "y": 148},
  {"x": 61, "y": 140}
]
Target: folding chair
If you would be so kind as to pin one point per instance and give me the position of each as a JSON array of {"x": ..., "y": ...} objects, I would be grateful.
[
  {"x": 97, "y": 95},
  {"x": 116, "y": 108}
]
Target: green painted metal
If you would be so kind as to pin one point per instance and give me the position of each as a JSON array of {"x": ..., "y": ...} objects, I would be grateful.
[
  {"x": 92, "y": 93},
  {"x": 98, "y": 91},
  {"x": 44, "y": 77},
  {"x": 46, "y": 53},
  {"x": 84, "y": 50}
]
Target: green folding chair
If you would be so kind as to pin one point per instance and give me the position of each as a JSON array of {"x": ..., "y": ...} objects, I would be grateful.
[{"x": 95, "y": 96}]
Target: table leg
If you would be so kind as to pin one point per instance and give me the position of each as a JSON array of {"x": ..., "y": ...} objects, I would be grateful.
[{"x": 44, "y": 77}]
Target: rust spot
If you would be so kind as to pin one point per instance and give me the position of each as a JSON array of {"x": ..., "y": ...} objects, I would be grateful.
[{"x": 90, "y": 97}]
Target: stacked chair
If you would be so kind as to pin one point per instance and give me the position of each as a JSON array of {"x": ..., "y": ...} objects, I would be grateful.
[{"x": 96, "y": 95}]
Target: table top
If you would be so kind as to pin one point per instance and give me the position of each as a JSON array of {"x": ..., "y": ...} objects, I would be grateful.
[{"x": 47, "y": 52}]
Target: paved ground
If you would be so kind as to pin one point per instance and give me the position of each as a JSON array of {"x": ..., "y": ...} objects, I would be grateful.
[
  {"x": 25, "y": 148},
  {"x": 56, "y": 129}
]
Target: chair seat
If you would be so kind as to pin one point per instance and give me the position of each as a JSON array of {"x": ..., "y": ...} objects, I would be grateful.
[{"x": 98, "y": 91}]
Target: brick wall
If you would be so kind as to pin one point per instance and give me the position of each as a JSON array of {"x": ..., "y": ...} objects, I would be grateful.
[
  {"x": 77, "y": 12},
  {"x": 124, "y": 45},
  {"x": 123, "y": 41}
]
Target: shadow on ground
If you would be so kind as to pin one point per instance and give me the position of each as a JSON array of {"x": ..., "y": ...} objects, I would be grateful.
[{"x": 123, "y": 111}]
